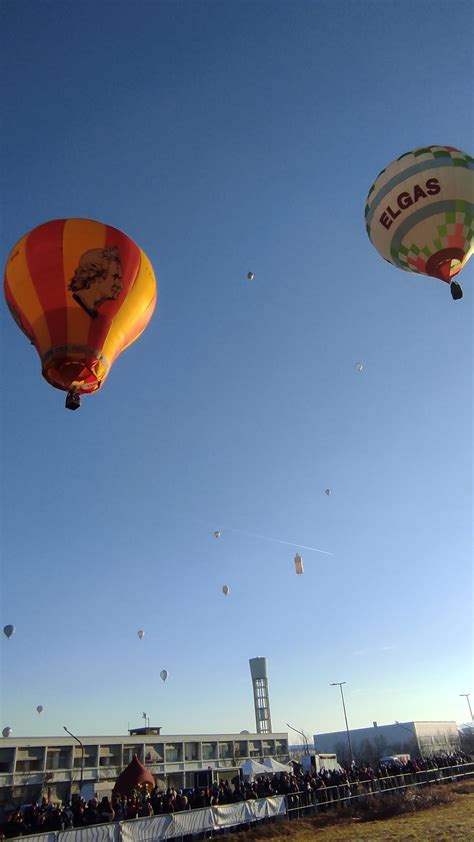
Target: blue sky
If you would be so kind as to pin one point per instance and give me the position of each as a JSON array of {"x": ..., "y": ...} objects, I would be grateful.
[{"x": 228, "y": 137}]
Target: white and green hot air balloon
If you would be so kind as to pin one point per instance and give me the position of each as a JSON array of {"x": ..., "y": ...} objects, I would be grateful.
[{"x": 420, "y": 213}]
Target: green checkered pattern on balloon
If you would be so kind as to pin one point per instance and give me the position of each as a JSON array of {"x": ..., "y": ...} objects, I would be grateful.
[
  {"x": 459, "y": 159},
  {"x": 448, "y": 229}
]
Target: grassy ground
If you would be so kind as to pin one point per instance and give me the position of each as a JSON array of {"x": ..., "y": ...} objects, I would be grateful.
[{"x": 441, "y": 814}]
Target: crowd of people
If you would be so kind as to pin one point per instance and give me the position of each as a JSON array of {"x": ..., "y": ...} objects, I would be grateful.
[{"x": 303, "y": 789}]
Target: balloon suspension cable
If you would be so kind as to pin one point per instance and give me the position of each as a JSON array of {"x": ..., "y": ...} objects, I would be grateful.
[{"x": 73, "y": 400}]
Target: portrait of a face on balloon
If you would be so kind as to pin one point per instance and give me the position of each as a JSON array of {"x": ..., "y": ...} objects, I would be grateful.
[{"x": 82, "y": 292}]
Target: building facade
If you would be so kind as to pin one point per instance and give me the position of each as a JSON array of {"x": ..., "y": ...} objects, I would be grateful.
[
  {"x": 57, "y": 767},
  {"x": 415, "y": 738}
]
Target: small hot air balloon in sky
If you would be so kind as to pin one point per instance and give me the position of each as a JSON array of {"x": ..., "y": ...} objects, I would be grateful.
[
  {"x": 250, "y": 276},
  {"x": 420, "y": 212},
  {"x": 39, "y": 708},
  {"x": 299, "y": 569},
  {"x": 225, "y": 589},
  {"x": 9, "y": 630},
  {"x": 359, "y": 366},
  {"x": 141, "y": 634},
  {"x": 164, "y": 675},
  {"x": 328, "y": 492},
  {"x": 7, "y": 732},
  {"x": 217, "y": 534},
  {"x": 82, "y": 292}
]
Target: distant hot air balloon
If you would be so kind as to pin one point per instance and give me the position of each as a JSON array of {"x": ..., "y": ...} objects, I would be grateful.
[
  {"x": 250, "y": 276},
  {"x": 40, "y": 708},
  {"x": 164, "y": 675},
  {"x": 328, "y": 492},
  {"x": 141, "y": 634},
  {"x": 82, "y": 292},
  {"x": 299, "y": 569},
  {"x": 420, "y": 212},
  {"x": 359, "y": 366},
  {"x": 7, "y": 732},
  {"x": 225, "y": 589},
  {"x": 217, "y": 534},
  {"x": 9, "y": 630}
]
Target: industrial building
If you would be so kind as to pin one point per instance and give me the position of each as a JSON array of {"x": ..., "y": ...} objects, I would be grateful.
[
  {"x": 416, "y": 738},
  {"x": 56, "y": 767}
]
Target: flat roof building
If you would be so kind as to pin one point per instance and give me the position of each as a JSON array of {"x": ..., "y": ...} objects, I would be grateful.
[
  {"x": 415, "y": 738},
  {"x": 55, "y": 767}
]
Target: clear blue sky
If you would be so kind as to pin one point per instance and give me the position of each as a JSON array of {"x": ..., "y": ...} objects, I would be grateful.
[{"x": 226, "y": 137}]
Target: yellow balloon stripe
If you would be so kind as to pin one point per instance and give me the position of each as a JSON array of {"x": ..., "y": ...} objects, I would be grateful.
[
  {"x": 127, "y": 324},
  {"x": 25, "y": 295},
  {"x": 79, "y": 236}
]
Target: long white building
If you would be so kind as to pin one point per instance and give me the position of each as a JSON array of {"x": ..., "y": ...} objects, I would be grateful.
[
  {"x": 415, "y": 738},
  {"x": 32, "y": 767}
]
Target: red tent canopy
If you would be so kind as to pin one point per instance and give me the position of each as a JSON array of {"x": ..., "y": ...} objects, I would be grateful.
[{"x": 133, "y": 777}]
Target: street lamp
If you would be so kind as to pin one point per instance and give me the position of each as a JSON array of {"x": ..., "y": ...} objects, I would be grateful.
[
  {"x": 467, "y": 699},
  {"x": 339, "y": 684},
  {"x": 305, "y": 738},
  {"x": 82, "y": 754}
]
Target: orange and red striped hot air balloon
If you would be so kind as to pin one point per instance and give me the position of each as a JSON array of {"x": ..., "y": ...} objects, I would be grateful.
[{"x": 82, "y": 292}]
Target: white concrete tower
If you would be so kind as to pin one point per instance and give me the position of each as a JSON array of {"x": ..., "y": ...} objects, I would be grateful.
[{"x": 259, "y": 673}]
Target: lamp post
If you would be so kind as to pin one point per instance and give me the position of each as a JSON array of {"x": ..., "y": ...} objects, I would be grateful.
[
  {"x": 467, "y": 699},
  {"x": 305, "y": 738},
  {"x": 339, "y": 684},
  {"x": 82, "y": 754}
]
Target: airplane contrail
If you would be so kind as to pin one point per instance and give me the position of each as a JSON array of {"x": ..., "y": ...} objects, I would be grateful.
[{"x": 277, "y": 540}]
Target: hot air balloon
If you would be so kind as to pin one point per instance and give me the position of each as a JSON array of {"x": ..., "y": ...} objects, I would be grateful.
[
  {"x": 7, "y": 732},
  {"x": 9, "y": 630},
  {"x": 328, "y": 492},
  {"x": 299, "y": 569},
  {"x": 225, "y": 589},
  {"x": 82, "y": 292},
  {"x": 141, "y": 634},
  {"x": 40, "y": 708},
  {"x": 217, "y": 534},
  {"x": 250, "y": 276},
  {"x": 164, "y": 675},
  {"x": 359, "y": 366},
  {"x": 420, "y": 212}
]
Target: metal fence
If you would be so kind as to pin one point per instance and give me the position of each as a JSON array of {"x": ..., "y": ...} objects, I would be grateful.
[{"x": 207, "y": 822}]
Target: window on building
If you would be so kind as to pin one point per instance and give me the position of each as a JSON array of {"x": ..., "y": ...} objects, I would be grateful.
[
  {"x": 241, "y": 748},
  {"x": 209, "y": 751},
  {"x": 30, "y": 759},
  {"x": 90, "y": 757},
  {"x": 129, "y": 749},
  {"x": 173, "y": 752},
  {"x": 255, "y": 748},
  {"x": 7, "y": 758},
  {"x": 191, "y": 751},
  {"x": 59, "y": 757},
  {"x": 226, "y": 750},
  {"x": 154, "y": 753},
  {"x": 110, "y": 755}
]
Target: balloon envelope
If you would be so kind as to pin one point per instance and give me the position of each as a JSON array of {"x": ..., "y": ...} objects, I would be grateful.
[
  {"x": 359, "y": 366},
  {"x": 250, "y": 276},
  {"x": 164, "y": 675},
  {"x": 7, "y": 732},
  {"x": 141, "y": 634},
  {"x": 225, "y": 589},
  {"x": 82, "y": 292},
  {"x": 420, "y": 211},
  {"x": 299, "y": 569},
  {"x": 9, "y": 630},
  {"x": 328, "y": 492},
  {"x": 39, "y": 708},
  {"x": 217, "y": 534}
]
